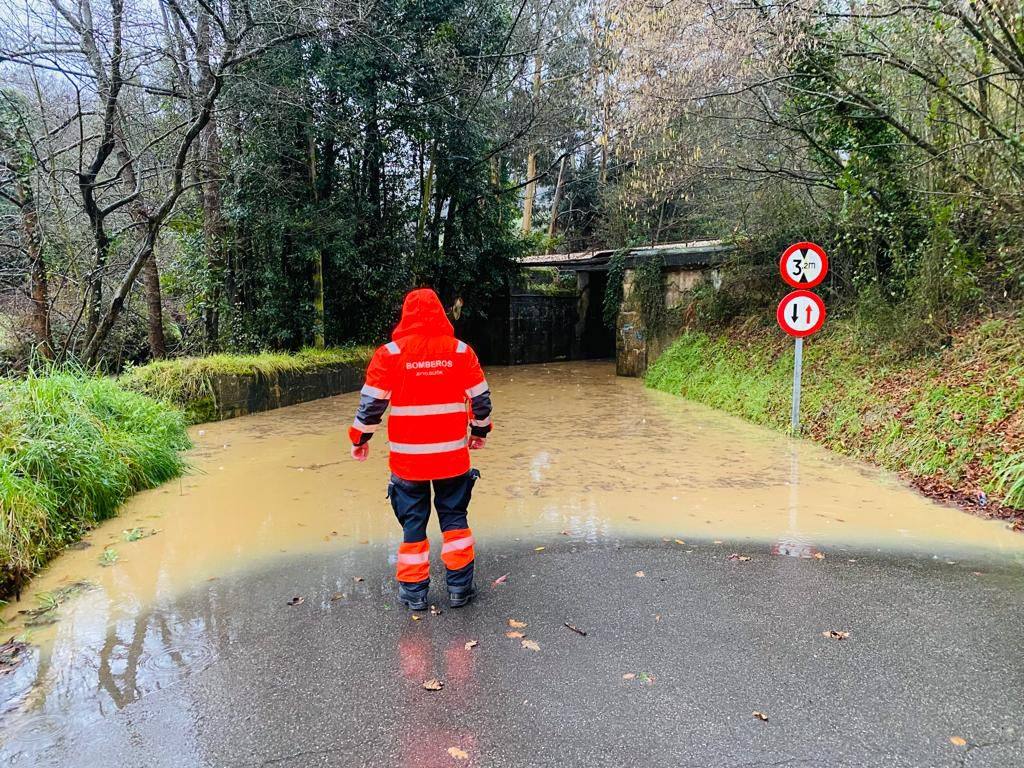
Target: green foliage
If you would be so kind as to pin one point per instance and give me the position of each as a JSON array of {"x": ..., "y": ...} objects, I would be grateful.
[
  {"x": 897, "y": 238},
  {"x": 613, "y": 292},
  {"x": 185, "y": 382},
  {"x": 548, "y": 281},
  {"x": 337, "y": 168},
  {"x": 935, "y": 415},
  {"x": 73, "y": 448},
  {"x": 649, "y": 293}
]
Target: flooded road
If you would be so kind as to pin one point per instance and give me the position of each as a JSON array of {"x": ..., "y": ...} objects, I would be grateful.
[{"x": 579, "y": 459}]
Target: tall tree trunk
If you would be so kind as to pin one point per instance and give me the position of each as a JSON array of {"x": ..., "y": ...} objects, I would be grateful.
[
  {"x": 209, "y": 173},
  {"x": 39, "y": 315},
  {"x": 318, "y": 257},
  {"x": 140, "y": 213},
  {"x": 440, "y": 185},
  {"x": 213, "y": 233},
  {"x": 425, "y": 195},
  {"x": 94, "y": 280},
  {"x": 531, "y": 192},
  {"x": 154, "y": 308},
  {"x": 556, "y": 201},
  {"x": 531, "y": 158}
]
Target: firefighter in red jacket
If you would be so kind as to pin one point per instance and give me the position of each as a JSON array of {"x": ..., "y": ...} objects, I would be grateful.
[{"x": 428, "y": 377}]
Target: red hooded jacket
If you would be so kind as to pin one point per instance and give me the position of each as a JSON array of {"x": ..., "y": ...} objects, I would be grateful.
[{"x": 436, "y": 389}]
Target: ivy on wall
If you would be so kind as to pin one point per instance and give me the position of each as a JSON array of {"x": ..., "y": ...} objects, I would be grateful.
[
  {"x": 649, "y": 293},
  {"x": 613, "y": 291}
]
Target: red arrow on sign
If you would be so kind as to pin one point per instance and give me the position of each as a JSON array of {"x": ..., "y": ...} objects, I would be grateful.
[{"x": 801, "y": 313}]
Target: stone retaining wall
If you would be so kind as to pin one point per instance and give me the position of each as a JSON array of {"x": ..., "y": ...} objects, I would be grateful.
[{"x": 237, "y": 395}]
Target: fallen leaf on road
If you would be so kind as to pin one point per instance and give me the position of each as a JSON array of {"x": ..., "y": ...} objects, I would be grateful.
[
  {"x": 433, "y": 684},
  {"x": 629, "y": 676},
  {"x": 819, "y": 555},
  {"x": 680, "y": 541},
  {"x": 835, "y": 634},
  {"x": 357, "y": 579},
  {"x": 471, "y": 644},
  {"x": 435, "y": 611},
  {"x": 529, "y": 644},
  {"x": 738, "y": 556},
  {"x": 643, "y": 677},
  {"x": 458, "y": 754},
  {"x": 640, "y": 574},
  {"x": 577, "y": 630},
  {"x": 416, "y": 617},
  {"x": 514, "y": 635},
  {"x": 338, "y": 596},
  {"x": 297, "y": 600},
  {"x": 957, "y": 741},
  {"x": 760, "y": 716},
  {"x": 564, "y": 533},
  {"x": 516, "y": 624},
  {"x": 500, "y": 580},
  {"x": 539, "y": 549}
]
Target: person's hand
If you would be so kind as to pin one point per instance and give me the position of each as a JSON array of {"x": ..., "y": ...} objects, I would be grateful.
[
  {"x": 361, "y": 452},
  {"x": 476, "y": 443}
]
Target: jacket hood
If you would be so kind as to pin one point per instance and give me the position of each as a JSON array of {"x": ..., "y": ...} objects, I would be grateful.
[{"x": 422, "y": 315}]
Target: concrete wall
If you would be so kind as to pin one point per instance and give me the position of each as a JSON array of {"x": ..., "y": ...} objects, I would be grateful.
[
  {"x": 635, "y": 348},
  {"x": 237, "y": 395}
]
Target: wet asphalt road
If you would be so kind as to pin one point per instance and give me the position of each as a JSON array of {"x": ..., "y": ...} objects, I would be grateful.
[{"x": 934, "y": 652}]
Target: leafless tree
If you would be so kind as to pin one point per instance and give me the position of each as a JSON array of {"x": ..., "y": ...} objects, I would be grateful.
[{"x": 143, "y": 81}]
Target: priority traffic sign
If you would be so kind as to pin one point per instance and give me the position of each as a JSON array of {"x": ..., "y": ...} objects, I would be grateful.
[
  {"x": 803, "y": 265},
  {"x": 801, "y": 313}
]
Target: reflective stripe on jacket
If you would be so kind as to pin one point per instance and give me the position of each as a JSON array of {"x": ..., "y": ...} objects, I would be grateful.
[{"x": 436, "y": 389}]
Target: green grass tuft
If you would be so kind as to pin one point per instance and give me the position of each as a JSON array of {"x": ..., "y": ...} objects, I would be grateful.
[{"x": 72, "y": 449}]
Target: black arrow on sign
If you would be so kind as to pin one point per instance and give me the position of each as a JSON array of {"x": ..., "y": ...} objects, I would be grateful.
[{"x": 794, "y": 312}]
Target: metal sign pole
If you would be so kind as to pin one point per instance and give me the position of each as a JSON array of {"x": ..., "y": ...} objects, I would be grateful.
[{"x": 798, "y": 366}]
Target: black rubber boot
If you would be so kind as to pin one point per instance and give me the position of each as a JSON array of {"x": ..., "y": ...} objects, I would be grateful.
[
  {"x": 460, "y": 597},
  {"x": 415, "y": 599}
]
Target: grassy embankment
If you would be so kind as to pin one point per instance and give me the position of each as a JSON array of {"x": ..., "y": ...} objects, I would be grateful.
[
  {"x": 952, "y": 422},
  {"x": 186, "y": 382},
  {"x": 74, "y": 447}
]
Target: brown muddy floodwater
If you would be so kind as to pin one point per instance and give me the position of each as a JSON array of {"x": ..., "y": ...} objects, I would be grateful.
[{"x": 576, "y": 452}]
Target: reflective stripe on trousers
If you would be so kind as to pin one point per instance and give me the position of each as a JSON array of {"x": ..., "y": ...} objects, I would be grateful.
[
  {"x": 457, "y": 551},
  {"x": 413, "y": 561}
]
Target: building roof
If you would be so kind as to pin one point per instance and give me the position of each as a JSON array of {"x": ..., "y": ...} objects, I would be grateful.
[{"x": 698, "y": 253}]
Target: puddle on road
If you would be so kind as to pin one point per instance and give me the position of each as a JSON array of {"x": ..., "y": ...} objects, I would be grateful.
[{"x": 575, "y": 450}]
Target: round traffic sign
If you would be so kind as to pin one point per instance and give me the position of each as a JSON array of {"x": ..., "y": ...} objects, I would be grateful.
[
  {"x": 801, "y": 313},
  {"x": 803, "y": 265}
]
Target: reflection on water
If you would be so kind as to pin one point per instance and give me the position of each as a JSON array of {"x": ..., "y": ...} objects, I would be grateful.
[{"x": 576, "y": 452}]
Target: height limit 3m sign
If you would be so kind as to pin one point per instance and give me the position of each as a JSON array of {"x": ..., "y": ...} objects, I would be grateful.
[
  {"x": 803, "y": 265},
  {"x": 801, "y": 313}
]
